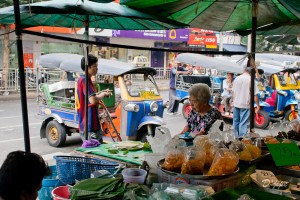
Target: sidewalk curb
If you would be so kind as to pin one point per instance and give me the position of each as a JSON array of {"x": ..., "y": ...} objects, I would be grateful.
[{"x": 11, "y": 97}]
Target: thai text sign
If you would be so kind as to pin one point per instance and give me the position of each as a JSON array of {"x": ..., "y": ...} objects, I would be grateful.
[
  {"x": 285, "y": 154},
  {"x": 170, "y": 35},
  {"x": 202, "y": 40}
]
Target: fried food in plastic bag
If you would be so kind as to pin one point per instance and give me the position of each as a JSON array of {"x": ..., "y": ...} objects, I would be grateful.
[
  {"x": 194, "y": 160},
  {"x": 254, "y": 150},
  {"x": 175, "y": 155},
  {"x": 246, "y": 150},
  {"x": 271, "y": 140},
  {"x": 209, "y": 147},
  {"x": 225, "y": 162}
]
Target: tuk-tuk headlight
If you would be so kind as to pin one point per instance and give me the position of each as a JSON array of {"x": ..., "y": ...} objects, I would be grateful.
[
  {"x": 297, "y": 95},
  {"x": 166, "y": 104},
  {"x": 132, "y": 107},
  {"x": 154, "y": 106}
]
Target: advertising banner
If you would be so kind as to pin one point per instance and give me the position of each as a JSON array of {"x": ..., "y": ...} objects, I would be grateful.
[
  {"x": 203, "y": 38},
  {"x": 28, "y": 60},
  {"x": 180, "y": 35}
]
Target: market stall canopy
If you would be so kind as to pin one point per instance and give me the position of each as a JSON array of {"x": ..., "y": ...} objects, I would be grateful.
[
  {"x": 287, "y": 28},
  {"x": 209, "y": 62},
  {"x": 72, "y": 62},
  {"x": 267, "y": 68},
  {"x": 221, "y": 15},
  {"x": 74, "y": 14}
]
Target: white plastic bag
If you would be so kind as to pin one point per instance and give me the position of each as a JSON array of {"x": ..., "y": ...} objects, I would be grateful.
[
  {"x": 160, "y": 140},
  {"x": 216, "y": 126}
]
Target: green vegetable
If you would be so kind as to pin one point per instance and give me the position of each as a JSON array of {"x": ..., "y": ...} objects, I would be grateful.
[
  {"x": 147, "y": 146},
  {"x": 113, "y": 151},
  {"x": 125, "y": 152}
]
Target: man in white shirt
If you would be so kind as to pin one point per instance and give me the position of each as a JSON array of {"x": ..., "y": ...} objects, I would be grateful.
[{"x": 241, "y": 102}]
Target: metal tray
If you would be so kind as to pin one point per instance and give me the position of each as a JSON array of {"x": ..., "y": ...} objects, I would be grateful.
[
  {"x": 204, "y": 176},
  {"x": 254, "y": 161}
]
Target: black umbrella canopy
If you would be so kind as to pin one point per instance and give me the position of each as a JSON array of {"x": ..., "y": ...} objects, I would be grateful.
[{"x": 74, "y": 13}]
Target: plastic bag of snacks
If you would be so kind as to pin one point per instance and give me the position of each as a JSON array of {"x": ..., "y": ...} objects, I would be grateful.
[
  {"x": 271, "y": 140},
  {"x": 253, "y": 147},
  {"x": 242, "y": 151},
  {"x": 246, "y": 151},
  {"x": 209, "y": 147},
  {"x": 225, "y": 162},
  {"x": 194, "y": 160},
  {"x": 175, "y": 155}
]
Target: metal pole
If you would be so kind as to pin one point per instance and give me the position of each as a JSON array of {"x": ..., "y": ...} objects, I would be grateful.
[
  {"x": 22, "y": 76},
  {"x": 253, "y": 44},
  {"x": 86, "y": 97}
]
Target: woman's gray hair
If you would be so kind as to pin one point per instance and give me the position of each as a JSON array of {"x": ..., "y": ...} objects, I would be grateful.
[{"x": 201, "y": 92}]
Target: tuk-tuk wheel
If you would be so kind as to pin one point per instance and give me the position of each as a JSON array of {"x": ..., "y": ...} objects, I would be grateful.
[
  {"x": 186, "y": 109},
  {"x": 56, "y": 134},
  {"x": 261, "y": 119},
  {"x": 289, "y": 115}
]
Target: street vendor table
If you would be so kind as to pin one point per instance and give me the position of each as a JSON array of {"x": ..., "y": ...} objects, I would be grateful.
[{"x": 132, "y": 157}]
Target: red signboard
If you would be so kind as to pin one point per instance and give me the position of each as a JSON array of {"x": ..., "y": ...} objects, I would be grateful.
[
  {"x": 202, "y": 40},
  {"x": 201, "y": 31},
  {"x": 28, "y": 60}
]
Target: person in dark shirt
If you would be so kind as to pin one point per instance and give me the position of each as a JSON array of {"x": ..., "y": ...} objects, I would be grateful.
[
  {"x": 21, "y": 176},
  {"x": 94, "y": 131}
]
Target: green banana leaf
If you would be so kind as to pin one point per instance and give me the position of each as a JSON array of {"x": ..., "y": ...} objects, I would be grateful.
[{"x": 98, "y": 188}]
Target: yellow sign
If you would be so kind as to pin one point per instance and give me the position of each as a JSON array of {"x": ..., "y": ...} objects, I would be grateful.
[
  {"x": 172, "y": 34},
  {"x": 211, "y": 46},
  {"x": 147, "y": 94}
]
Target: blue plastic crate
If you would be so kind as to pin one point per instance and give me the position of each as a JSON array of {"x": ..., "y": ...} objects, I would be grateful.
[{"x": 71, "y": 168}]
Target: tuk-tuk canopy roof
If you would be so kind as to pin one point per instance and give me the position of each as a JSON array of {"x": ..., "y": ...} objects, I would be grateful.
[
  {"x": 72, "y": 62},
  {"x": 261, "y": 64},
  {"x": 209, "y": 62}
]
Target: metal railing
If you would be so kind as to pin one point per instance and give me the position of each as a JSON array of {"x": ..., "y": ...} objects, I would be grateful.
[{"x": 34, "y": 77}]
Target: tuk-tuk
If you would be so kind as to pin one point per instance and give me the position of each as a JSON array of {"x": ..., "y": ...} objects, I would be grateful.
[
  {"x": 135, "y": 107},
  {"x": 283, "y": 101},
  {"x": 261, "y": 118}
]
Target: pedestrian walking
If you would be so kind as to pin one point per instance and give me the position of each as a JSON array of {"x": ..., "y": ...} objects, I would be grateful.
[
  {"x": 174, "y": 104},
  {"x": 241, "y": 102}
]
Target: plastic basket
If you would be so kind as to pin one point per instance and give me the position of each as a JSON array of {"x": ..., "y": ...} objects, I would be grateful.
[{"x": 71, "y": 168}]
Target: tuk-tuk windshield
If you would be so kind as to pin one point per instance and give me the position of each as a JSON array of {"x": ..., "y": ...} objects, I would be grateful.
[{"x": 140, "y": 85}]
